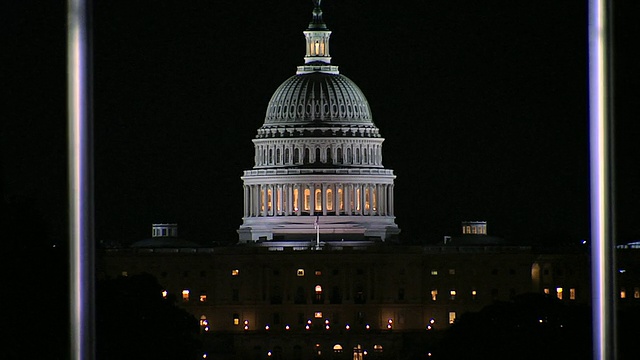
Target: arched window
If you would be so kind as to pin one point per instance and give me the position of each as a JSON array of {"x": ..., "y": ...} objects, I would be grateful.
[
  {"x": 307, "y": 200},
  {"x": 270, "y": 156},
  {"x": 296, "y": 199},
  {"x": 329, "y": 198},
  {"x": 286, "y": 156},
  {"x": 278, "y": 158},
  {"x": 269, "y": 200},
  {"x": 329, "y": 157},
  {"x": 317, "y": 155},
  {"x": 319, "y": 298},
  {"x": 349, "y": 156},
  {"x": 318, "y": 200},
  {"x": 340, "y": 199},
  {"x": 339, "y": 156},
  {"x": 296, "y": 156},
  {"x": 337, "y": 348}
]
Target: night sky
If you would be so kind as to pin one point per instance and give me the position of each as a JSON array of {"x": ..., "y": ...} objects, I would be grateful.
[{"x": 483, "y": 105}]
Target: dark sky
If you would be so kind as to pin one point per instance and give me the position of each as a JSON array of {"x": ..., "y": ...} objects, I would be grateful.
[{"x": 483, "y": 106}]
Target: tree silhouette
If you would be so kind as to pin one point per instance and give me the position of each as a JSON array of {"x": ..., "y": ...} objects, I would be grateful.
[{"x": 134, "y": 321}]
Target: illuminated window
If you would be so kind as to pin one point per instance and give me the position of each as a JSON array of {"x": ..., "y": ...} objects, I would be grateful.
[
  {"x": 296, "y": 199},
  {"x": 623, "y": 293},
  {"x": 203, "y": 321},
  {"x": 329, "y": 199},
  {"x": 546, "y": 291},
  {"x": 318, "y": 197},
  {"x": 340, "y": 199},
  {"x": 636, "y": 293},
  {"x": 377, "y": 348},
  {"x": 366, "y": 198},
  {"x": 318, "y": 272},
  {"x": 261, "y": 199},
  {"x": 434, "y": 294},
  {"x": 452, "y": 317},
  {"x": 317, "y": 314},
  {"x": 300, "y": 272},
  {"x": 375, "y": 200},
  {"x": 185, "y": 295},
  {"x": 307, "y": 200},
  {"x": 559, "y": 293},
  {"x": 235, "y": 272},
  {"x": 203, "y": 297},
  {"x": 318, "y": 289},
  {"x": 572, "y": 294},
  {"x": 434, "y": 272},
  {"x": 357, "y": 199},
  {"x": 452, "y": 294},
  {"x": 269, "y": 200},
  {"x": 337, "y": 348},
  {"x": 164, "y": 294}
]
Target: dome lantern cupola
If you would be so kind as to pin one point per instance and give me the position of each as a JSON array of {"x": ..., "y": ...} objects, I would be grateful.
[{"x": 317, "y": 35}]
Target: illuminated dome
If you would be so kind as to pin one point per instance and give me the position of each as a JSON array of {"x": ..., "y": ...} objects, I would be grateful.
[
  {"x": 318, "y": 98},
  {"x": 318, "y": 172}
]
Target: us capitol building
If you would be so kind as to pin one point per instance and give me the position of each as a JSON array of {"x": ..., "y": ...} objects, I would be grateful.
[{"x": 318, "y": 272}]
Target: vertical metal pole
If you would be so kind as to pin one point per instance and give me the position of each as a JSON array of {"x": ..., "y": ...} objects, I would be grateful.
[
  {"x": 81, "y": 287},
  {"x": 600, "y": 128}
]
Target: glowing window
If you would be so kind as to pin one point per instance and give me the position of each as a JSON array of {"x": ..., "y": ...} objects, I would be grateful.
[
  {"x": 203, "y": 321},
  {"x": 366, "y": 198},
  {"x": 318, "y": 197},
  {"x": 337, "y": 348},
  {"x": 317, "y": 314},
  {"x": 318, "y": 289},
  {"x": 636, "y": 293},
  {"x": 164, "y": 294},
  {"x": 307, "y": 200},
  {"x": 296, "y": 200},
  {"x": 623, "y": 293},
  {"x": 236, "y": 319},
  {"x": 269, "y": 199},
  {"x": 235, "y": 272},
  {"x": 358, "y": 199},
  {"x": 434, "y": 272},
  {"x": 330, "y": 199},
  {"x": 452, "y": 294},
  {"x": 203, "y": 297},
  {"x": 434, "y": 294},
  {"x": 559, "y": 292},
  {"x": 572, "y": 294},
  {"x": 340, "y": 199},
  {"x": 377, "y": 348},
  {"x": 185, "y": 295},
  {"x": 300, "y": 272},
  {"x": 375, "y": 200},
  {"x": 261, "y": 199},
  {"x": 452, "y": 317},
  {"x": 546, "y": 291},
  {"x": 318, "y": 272}
]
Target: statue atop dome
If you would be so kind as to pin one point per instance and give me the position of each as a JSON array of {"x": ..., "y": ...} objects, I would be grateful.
[{"x": 317, "y": 22}]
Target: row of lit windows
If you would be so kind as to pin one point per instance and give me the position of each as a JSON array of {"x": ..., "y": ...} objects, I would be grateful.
[
  {"x": 279, "y": 197},
  {"x": 435, "y": 272},
  {"x": 560, "y": 293},
  {"x": 452, "y": 294}
]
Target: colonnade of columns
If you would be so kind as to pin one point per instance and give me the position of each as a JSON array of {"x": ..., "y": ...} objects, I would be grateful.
[
  {"x": 297, "y": 199},
  {"x": 292, "y": 154}
]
